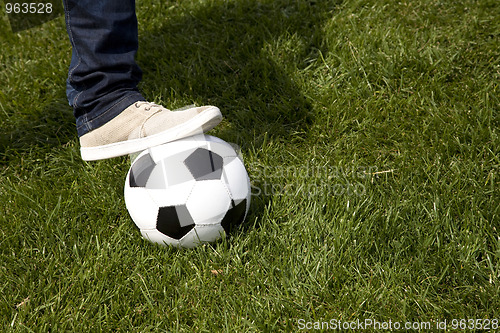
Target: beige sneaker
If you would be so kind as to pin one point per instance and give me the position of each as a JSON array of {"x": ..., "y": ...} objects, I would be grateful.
[{"x": 143, "y": 125}]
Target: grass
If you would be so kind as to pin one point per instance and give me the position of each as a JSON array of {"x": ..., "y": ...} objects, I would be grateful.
[{"x": 370, "y": 133}]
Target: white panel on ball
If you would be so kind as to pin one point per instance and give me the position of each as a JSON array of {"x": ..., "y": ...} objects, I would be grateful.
[
  {"x": 233, "y": 173},
  {"x": 172, "y": 196},
  {"x": 223, "y": 149},
  {"x": 142, "y": 208},
  {"x": 209, "y": 200},
  {"x": 206, "y": 233},
  {"x": 155, "y": 236}
]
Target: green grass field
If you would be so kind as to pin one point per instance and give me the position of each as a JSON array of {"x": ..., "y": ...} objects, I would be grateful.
[{"x": 370, "y": 130}]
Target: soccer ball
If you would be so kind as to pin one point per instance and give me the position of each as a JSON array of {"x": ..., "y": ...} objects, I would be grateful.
[{"x": 187, "y": 192}]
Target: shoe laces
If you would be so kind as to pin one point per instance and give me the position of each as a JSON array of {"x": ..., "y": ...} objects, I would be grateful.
[{"x": 149, "y": 105}]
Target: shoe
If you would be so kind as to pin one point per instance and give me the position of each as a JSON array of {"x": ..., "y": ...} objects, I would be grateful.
[{"x": 144, "y": 125}]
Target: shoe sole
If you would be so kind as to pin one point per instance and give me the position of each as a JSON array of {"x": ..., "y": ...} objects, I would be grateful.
[{"x": 201, "y": 123}]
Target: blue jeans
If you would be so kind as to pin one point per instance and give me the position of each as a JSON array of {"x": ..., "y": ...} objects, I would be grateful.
[{"x": 103, "y": 75}]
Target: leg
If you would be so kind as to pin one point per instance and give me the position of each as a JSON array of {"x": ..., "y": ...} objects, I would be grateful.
[
  {"x": 112, "y": 117},
  {"x": 103, "y": 74}
]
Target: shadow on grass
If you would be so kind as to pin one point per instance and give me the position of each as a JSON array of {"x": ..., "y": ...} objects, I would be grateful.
[
  {"x": 219, "y": 54},
  {"x": 224, "y": 53},
  {"x": 52, "y": 125}
]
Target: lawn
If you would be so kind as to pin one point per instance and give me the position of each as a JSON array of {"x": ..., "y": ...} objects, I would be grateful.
[{"x": 370, "y": 131}]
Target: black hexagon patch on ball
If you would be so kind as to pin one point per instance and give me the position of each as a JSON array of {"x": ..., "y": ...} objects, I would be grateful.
[
  {"x": 140, "y": 171},
  {"x": 234, "y": 216},
  {"x": 174, "y": 221},
  {"x": 204, "y": 164}
]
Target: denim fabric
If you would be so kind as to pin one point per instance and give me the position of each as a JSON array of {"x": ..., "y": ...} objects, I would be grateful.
[{"x": 103, "y": 75}]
